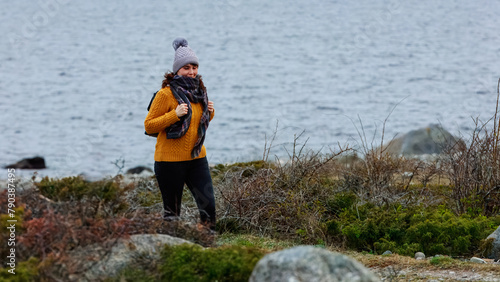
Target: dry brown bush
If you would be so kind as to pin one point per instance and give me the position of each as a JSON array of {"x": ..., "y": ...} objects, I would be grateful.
[
  {"x": 474, "y": 169},
  {"x": 278, "y": 198},
  {"x": 474, "y": 172},
  {"x": 382, "y": 178}
]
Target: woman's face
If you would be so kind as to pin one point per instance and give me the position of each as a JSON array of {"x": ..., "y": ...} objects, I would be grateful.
[{"x": 188, "y": 70}]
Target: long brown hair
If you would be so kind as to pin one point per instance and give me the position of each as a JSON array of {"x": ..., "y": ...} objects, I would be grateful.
[{"x": 169, "y": 76}]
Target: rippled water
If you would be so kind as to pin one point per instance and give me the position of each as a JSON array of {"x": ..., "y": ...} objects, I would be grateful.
[{"x": 76, "y": 77}]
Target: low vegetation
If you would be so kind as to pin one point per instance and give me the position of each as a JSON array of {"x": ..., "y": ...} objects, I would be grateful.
[{"x": 193, "y": 263}]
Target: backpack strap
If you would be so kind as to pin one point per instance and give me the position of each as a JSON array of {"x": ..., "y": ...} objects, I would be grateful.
[
  {"x": 149, "y": 106},
  {"x": 151, "y": 102}
]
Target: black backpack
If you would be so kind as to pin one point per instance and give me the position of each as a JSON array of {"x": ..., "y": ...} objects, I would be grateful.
[{"x": 150, "y": 103}]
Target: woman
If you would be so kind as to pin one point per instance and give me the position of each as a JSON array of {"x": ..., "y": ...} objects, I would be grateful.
[{"x": 180, "y": 114}]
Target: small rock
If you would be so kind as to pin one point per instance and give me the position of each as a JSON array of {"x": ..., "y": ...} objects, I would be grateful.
[
  {"x": 387, "y": 253},
  {"x": 139, "y": 170},
  {"x": 29, "y": 163},
  {"x": 419, "y": 256},
  {"x": 407, "y": 174},
  {"x": 477, "y": 260}
]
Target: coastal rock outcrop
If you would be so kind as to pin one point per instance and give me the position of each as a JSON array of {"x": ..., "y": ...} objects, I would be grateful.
[
  {"x": 29, "y": 163},
  {"x": 140, "y": 170},
  {"x": 429, "y": 140},
  {"x": 494, "y": 252},
  {"x": 100, "y": 262},
  {"x": 308, "y": 263}
]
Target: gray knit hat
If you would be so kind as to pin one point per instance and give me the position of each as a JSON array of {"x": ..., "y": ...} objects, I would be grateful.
[{"x": 183, "y": 54}]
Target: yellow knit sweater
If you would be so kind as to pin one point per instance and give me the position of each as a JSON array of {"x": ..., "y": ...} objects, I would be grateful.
[{"x": 161, "y": 115}]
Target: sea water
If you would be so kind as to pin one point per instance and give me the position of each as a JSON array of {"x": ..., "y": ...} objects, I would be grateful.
[{"x": 76, "y": 76}]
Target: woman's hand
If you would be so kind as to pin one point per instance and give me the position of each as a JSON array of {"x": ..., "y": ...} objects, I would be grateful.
[
  {"x": 181, "y": 110},
  {"x": 210, "y": 106}
]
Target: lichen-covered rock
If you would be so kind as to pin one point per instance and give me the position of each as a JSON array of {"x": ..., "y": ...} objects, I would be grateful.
[
  {"x": 494, "y": 250},
  {"x": 100, "y": 262},
  {"x": 307, "y": 263}
]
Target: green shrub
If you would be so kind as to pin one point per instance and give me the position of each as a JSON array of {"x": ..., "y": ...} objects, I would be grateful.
[
  {"x": 333, "y": 228},
  {"x": 193, "y": 263},
  {"x": 71, "y": 189},
  {"x": 6, "y": 233},
  {"x": 407, "y": 230},
  {"x": 265, "y": 243},
  {"x": 442, "y": 232},
  {"x": 24, "y": 271},
  {"x": 76, "y": 188},
  {"x": 340, "y": 202},
  {"x": 442, "y": 261}
]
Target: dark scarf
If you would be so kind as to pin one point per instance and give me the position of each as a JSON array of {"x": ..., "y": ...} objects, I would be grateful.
[{"x": 187, "y": 90}]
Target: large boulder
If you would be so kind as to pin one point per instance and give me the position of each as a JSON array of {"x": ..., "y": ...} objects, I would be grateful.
[
  {"x": 100, "y": 262},
  {"x": 307, "y": 263},
  {"x": 429, "y": 140},
  {"x": 494, "y": 248},
  {"x": 29, "y": 163}
]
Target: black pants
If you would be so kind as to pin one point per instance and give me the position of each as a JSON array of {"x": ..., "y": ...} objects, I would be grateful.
[{"x": 171, "y": 177}]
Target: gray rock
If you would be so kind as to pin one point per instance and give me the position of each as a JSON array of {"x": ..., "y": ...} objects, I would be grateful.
[
  {"x": 495, "y": 250},
  {"x": 145, "y": 175},
  {"x": 100, "y": 263},
  {"x": 139, "y": 170},
  {"x": 29, "y": 163},
  {"x": 430, "y": 140},
  {"x": 477, "y": 260},
  {"x": 387, "y": 253},
  {"x": 21, "y": 183},
  {"x": 307, "y": 263},
  {"x": 419, "y": 255}
]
